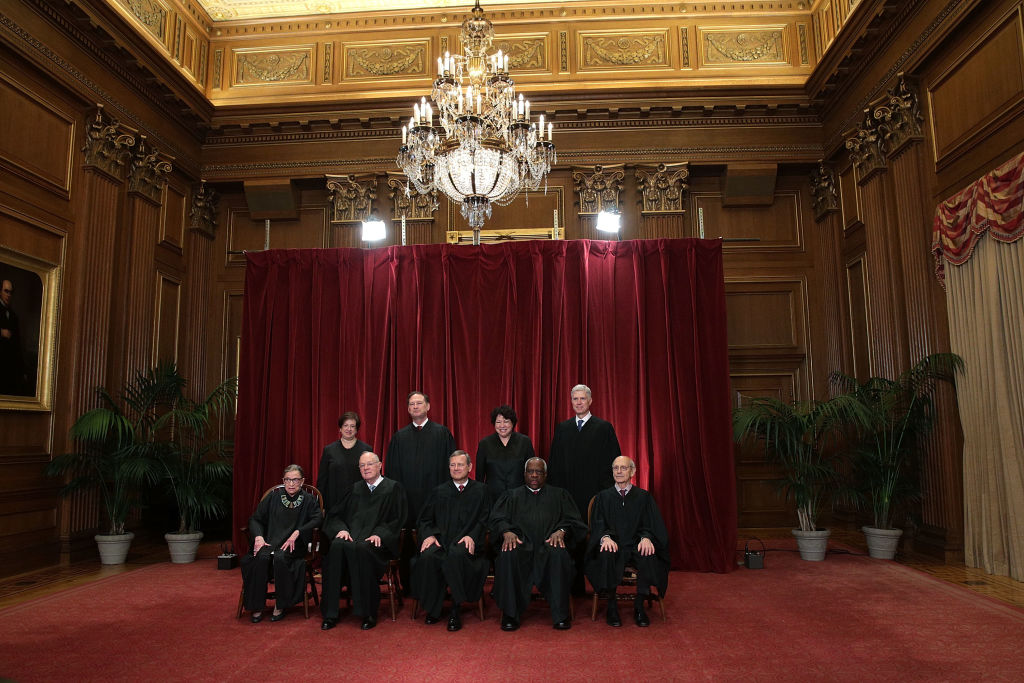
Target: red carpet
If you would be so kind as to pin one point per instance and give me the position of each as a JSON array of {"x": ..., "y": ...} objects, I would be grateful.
[{"x": 846, "y": 619}]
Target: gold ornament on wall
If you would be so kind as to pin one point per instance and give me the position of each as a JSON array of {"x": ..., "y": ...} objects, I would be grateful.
[
  {"x": 743, "y": 46},
  {"x": 899, "y": 117},
  {"x": 151, "y": 14},
  {"x": 824, "y": 195},
  {"x": 382, "y": 61},
  {"x": 107, "y": 143},
  {"x": 629, "y": 50},
  {"x": 351, "y": 197},
  {"x": 409, "y": 202},
  {"x": 526, "y": 53},
  {"x": 147, "y": 171},
  {"x": 278, "y": 66},
  {"x": 663, "y": 188},
  {"x": 202, "y": 215},
  {"x": 865, "y": 145},
  {"x": 598, "y": 190}
]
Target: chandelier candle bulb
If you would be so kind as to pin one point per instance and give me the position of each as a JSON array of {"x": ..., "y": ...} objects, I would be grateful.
[{"x": 405, "y": 133}]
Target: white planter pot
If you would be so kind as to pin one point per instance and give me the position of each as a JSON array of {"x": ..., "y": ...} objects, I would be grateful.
[
  {"x": 183, "y": 547},
  {"x": 882, "y": 543},
  {"x": 812, "y": 544},
  {"x": 113, "y": 548}
]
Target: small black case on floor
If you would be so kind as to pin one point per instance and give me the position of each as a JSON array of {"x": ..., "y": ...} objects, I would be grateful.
[
  {"x": 753, "y": 559},
  {"x": 227, "y": 559}
]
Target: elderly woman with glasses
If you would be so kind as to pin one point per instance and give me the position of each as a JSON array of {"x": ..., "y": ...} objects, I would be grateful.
[{"x": 281, "y": 529}]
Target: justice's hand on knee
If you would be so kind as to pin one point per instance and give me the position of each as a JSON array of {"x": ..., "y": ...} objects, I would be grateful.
[
  {"x": 608, "y": 545},
  {"x": 468, "y": 542},
  {"x": 344, "y": 535},
  {"x": 510, "y": 541},
  {"x": 645, "y": 547},
  {"x": 429, "y": 541},
  {"x": 375, "y": 540}
]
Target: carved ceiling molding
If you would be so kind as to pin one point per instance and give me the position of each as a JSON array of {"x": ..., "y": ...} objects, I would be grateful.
[
  {"x": 663, "y": 188},
  {"x": 147, "y": 171},
  {"x": 407, "y": 201},
  {"x": 202, "y": 215},
  {"x": 824, "y": 194},
  {"x": 351, "y": 197},
  {"x": 598, "y": 188}
]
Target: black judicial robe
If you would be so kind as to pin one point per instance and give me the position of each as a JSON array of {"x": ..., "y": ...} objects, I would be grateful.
[
  {"x": 418, "y": 460},
  {"x": 500, "y": 465},
  {"x": 581, "y": 460},
  {"x": 450, "y": 516},
  {"x": 627, "y": 521},
  {"x": 533, "y": 518},
  {"x": 275, "y": 522},
  {"x": 358, "y": 563},
  {"x": 339, "y": 469}
]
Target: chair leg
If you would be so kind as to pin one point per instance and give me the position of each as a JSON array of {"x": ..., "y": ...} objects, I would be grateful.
[
  {"x": 661, "y": 607},
  {"x": 593, "y": 609},
  {"x": 391, "y": 597},
  {"x": 415, "y": 608},
  {"x": 238, "y": 613},
  {"x": 480, "y": 606}
]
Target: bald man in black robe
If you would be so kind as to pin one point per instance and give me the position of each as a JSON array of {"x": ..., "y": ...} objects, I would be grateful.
[
  {"x": 451, "y": 527},
  {"x": 281, "y": 528},
  {"x": 366, "y": 528},
  {"x": 532, "y": 526},
  {"x": 626, "y": 528}
]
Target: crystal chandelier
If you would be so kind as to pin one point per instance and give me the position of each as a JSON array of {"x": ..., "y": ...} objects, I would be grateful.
[{"x": 485, "y": 149}]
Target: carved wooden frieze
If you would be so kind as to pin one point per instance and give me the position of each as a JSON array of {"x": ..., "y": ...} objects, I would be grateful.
[
  {"x": 147, "y": 171},
  {"x": 684, "y": 41},
  {"x": 899, "y": 117},
  {"x": 525, "y": 53},
  {"x": 107, "y": 143},
  {"x": 744, "y": 47},
  {"x": 598, "y": 190},
  {"x": 150, "y": 14},
  {"x": 824, "y": 196},
  {"x": 406, "y": 201},
  {"x": 328, "y": 54},
  {"x": 865, "y": 145},
  {"x": 351, "y": 197},
  {"x": 273, "y": 66},
  {"x": 385, "y": 60},
  {"x": 663, "y": 188},
  {"x": 640, "y": 50},
  {"x": 202, "y": 215}
]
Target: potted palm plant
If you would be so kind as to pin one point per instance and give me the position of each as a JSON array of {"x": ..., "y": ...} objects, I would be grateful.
[
  {"x": 196, "y": 469},
  {"x": 892, "y": 422},
  {"x": 798, "y": 436},
  {"x": 116, "y": 456}
]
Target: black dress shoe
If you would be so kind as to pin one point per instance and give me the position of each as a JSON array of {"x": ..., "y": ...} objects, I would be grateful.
[
  {"x": 278, "y": 616},
  {"x": 368, "y": 623},
  {"x": 563, "y": 625},
  {"x": 431, "y": 620},
  {"x": 640, "y": 617},
  {"x": 328, "y": 624},
  {"x": 613, "y": 615},
  {"x": 509, "y": 623},
  {"x": 454, "y": 622},
  {"x": 257, "y": 617}
]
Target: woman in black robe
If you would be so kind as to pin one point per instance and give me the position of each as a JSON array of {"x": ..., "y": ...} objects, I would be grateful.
[
  {"x": 281, "y": 529},
  {"x": 339, "y": 464},
  {"x": 501, "y": 457}
]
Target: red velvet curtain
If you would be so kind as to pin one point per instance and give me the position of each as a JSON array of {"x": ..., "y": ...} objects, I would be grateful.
[{"x": 640, "y": 322}]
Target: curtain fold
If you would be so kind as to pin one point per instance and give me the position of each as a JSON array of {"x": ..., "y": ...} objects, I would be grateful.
[{"x": 640, "y": 322}]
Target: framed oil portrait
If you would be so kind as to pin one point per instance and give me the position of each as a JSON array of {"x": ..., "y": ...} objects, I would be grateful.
[{"x": 28, "y": 326}]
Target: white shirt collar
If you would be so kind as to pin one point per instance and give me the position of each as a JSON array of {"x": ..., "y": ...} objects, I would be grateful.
[
  {"x": 625, "y": 488},
  {"x": 425, "y": 421},
  {"x": 375, "y": 484},
  {"x": 584, "y": 418},
  {"x": 457, "y": 484}
]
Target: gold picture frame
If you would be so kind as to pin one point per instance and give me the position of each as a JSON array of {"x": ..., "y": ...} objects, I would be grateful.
[
  {"x": 466, "y": 236},
  {"x": 28, "y": 331}
]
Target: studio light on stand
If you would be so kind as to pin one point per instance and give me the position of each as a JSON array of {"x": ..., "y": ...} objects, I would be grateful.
[
  {"x": 609, "y": 221},
  {"x": 373, "y": 229}
]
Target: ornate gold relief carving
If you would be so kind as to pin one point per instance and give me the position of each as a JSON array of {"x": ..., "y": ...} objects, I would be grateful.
[
  {"x": 563, "y": 51},
  {"x": 730, "y": 47},
  {"x": 147, "y": 171},
  {"x": 406, "y": 201},
  {"x": 598, "y": 190},
  {"x": 899, "y": 117},
  {"x": 865, "y": 145},
  {"x": 444, "y": 44},
  {"x": 202, "y": 215},
  {"x": 204, "y": 51},
  {"x": 384, "y": 60},
  {"x": 525, "y": 53},
  {"x": 179, "y": 26},
  {"x": 684, "y": 38},
  {"x": 663, "y": 188},
  {"x": 218, "y": 63},
  {"x": 351, "y": 197},
  {"x": 623, "y": 50},
  {"x": 107, "y": 143},
  {"x": 328, "y": 51},
  {"x": 151, "y": 13},
  {"x": 272, "y": 66},
  {"x": 801, "y": 30},
  {"x": 824, "y": 196}
]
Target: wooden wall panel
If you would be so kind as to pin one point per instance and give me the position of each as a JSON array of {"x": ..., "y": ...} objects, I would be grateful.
[
  {"x": 968, "y": 101},
  {"x": 309, "y": 230},
  {"x": 857, "y": 298},
  {"x": 765, "y": 316},
  {"x": 36, "y": 137},
  {"x": 173, "y": 218},
  {"x": 166, "y": 318},
  {"x": 776, "y": 227}
]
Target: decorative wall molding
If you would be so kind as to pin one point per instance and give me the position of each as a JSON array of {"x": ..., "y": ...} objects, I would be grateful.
[
  {"x": 351, "y": 197},
  {"x": 202, "y": 215},
  {"x": 525, "y": 52},
  {"x": 899, "y": 116},
  {"x": 663, "y": 188},
  {"x": 623, "y": 50},
  {"x": 865, "y": 145},
  {"x": 407, "y": 201},
  {"x": 824, "y": 193},
  {"x": 598, "y": 190},
  {"x": 147, "y": 171},
  {"x": 108, "y": 144},
  {"x": 272, "y": 66},
  {"x": 744, "y": 47},
  {"x": 385, "y": 60}
]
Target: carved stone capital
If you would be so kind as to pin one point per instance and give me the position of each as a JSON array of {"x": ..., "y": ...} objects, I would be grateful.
[
  {"x": 663, "y": 188},
  {"x": 865, "y": 145},
  {"x": 147, "y": 171},
  {"x": 202, "y": 216},
  {"x": 598, "y": 190},
  {"x": 824, "y": 196},
  {"x": 107, "y": 143},
  {"x": 899, "y": 116},
  {"x": 351, "y": 197},
  {"x": 407, "y": 201}
]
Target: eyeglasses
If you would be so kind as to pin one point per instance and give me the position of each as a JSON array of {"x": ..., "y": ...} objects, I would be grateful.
[{"x": 292, "y": 480}]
